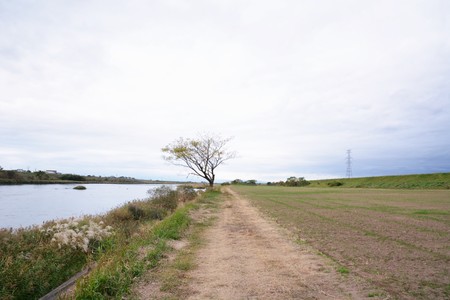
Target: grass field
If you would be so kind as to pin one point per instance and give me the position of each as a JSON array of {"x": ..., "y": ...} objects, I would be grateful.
[
  {"x": 397, "y": 239},
  {"x": 418, "y": 181}
]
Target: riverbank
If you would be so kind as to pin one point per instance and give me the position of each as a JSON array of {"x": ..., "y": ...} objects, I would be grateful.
[
  {"x": 179, "y": 256},
  {"x": 35, "y": 260}
]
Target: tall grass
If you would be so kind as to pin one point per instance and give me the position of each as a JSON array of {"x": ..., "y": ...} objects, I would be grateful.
[
  {"x": 31, "y": 264},
  {"x": 112, "y": 279},
  {"x": 117, "y": 271}
]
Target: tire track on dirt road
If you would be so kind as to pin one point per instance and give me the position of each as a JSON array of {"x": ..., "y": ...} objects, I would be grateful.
[{"x": 247, "y": 256}]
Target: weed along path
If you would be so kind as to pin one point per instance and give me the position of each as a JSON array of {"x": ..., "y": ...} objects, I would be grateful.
[{"x": 247, "y": 256}]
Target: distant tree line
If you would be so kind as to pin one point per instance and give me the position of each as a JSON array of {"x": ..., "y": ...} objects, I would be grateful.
[
  {"x": 72, "y": 177},
  {"x": 241, "y": 182},
  {"x": 291, "y": 181},
  {"x": 24, "y": 177}
]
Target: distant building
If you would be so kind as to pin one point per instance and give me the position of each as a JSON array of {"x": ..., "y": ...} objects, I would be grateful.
[{"x": 51, "y": 172}]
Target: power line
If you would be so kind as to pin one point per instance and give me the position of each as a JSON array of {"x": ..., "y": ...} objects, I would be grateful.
[{"x": 349, "y": 172}]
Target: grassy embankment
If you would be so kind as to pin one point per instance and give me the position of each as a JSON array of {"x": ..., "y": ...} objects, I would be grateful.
[
  {"x": 395, "y": 238},
  {"x": 116, "y": 273},
  {"x": 419, "y": 181},
  {"x": 35, "y": 260}
]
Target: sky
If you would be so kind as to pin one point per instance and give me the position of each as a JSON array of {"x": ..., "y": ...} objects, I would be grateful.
[{"x": 99, "y": 87}]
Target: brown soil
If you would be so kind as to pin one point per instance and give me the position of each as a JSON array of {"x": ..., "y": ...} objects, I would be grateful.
[
  {"x": 380, "y": 235},
  {"x": 247, "y": 256}
]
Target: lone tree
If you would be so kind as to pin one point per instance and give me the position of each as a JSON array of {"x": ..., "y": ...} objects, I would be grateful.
[{"x": 201, "y": 155}]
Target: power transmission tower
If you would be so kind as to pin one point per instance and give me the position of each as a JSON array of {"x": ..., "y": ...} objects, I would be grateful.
[{"x": 349, "y": 164}]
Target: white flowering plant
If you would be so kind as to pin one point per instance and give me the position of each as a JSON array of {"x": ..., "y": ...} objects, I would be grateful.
[{"x": 78, "y": 234}]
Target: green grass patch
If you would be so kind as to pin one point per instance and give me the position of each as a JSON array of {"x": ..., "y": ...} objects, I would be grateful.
[
  {"x": 418, "y": 181},
  {"x": 375, "y": 294},
  {"x": 431, "y": 212},
  {"x": 343, "y": 270},
  {"x": 447, "y": 290},
  {"x": 171, "y": 274},
  {"x": 116, "y": 273},
  {"x": 172, "y": 228}
]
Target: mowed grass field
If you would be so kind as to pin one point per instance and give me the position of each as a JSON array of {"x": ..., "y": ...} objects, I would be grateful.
[{"x": 397, "y": 239}]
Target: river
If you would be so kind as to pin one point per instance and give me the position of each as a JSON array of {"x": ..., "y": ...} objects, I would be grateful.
[{"x": 26, "y": 205}]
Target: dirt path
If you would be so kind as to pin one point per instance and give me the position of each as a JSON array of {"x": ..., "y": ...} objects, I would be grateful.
[{"x": 248, "y": 257}]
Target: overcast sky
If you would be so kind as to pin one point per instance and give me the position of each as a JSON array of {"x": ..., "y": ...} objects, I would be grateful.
[{"x": 99, "y": 87}]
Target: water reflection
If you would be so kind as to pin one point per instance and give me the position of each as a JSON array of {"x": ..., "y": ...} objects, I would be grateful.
[{"x": 25, "y": 205}]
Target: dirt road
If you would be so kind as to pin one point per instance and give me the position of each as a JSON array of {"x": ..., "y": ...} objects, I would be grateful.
[{"x": 247, "y": 256}]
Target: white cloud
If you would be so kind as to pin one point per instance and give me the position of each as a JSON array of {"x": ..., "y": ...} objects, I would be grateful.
[{"x": 100, "y": 87}]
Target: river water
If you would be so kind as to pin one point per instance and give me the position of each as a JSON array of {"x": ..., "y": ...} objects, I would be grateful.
[{"x": 25, "y": 205}]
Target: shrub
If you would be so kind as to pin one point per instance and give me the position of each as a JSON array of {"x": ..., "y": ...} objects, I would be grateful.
[
  {"x": 251, "y": 182},
  {"x": 136, "y": 212},
  {"x": 334, "y": 183},
  {"x": 294, "y": 181},
  {"x": 119, "y": 215},
  {"x": 164, "y": 197},
  {"x": 156, "y": 213},
  {"x": 186, "y": 193},
  {"x": 147, "y": 210}
]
